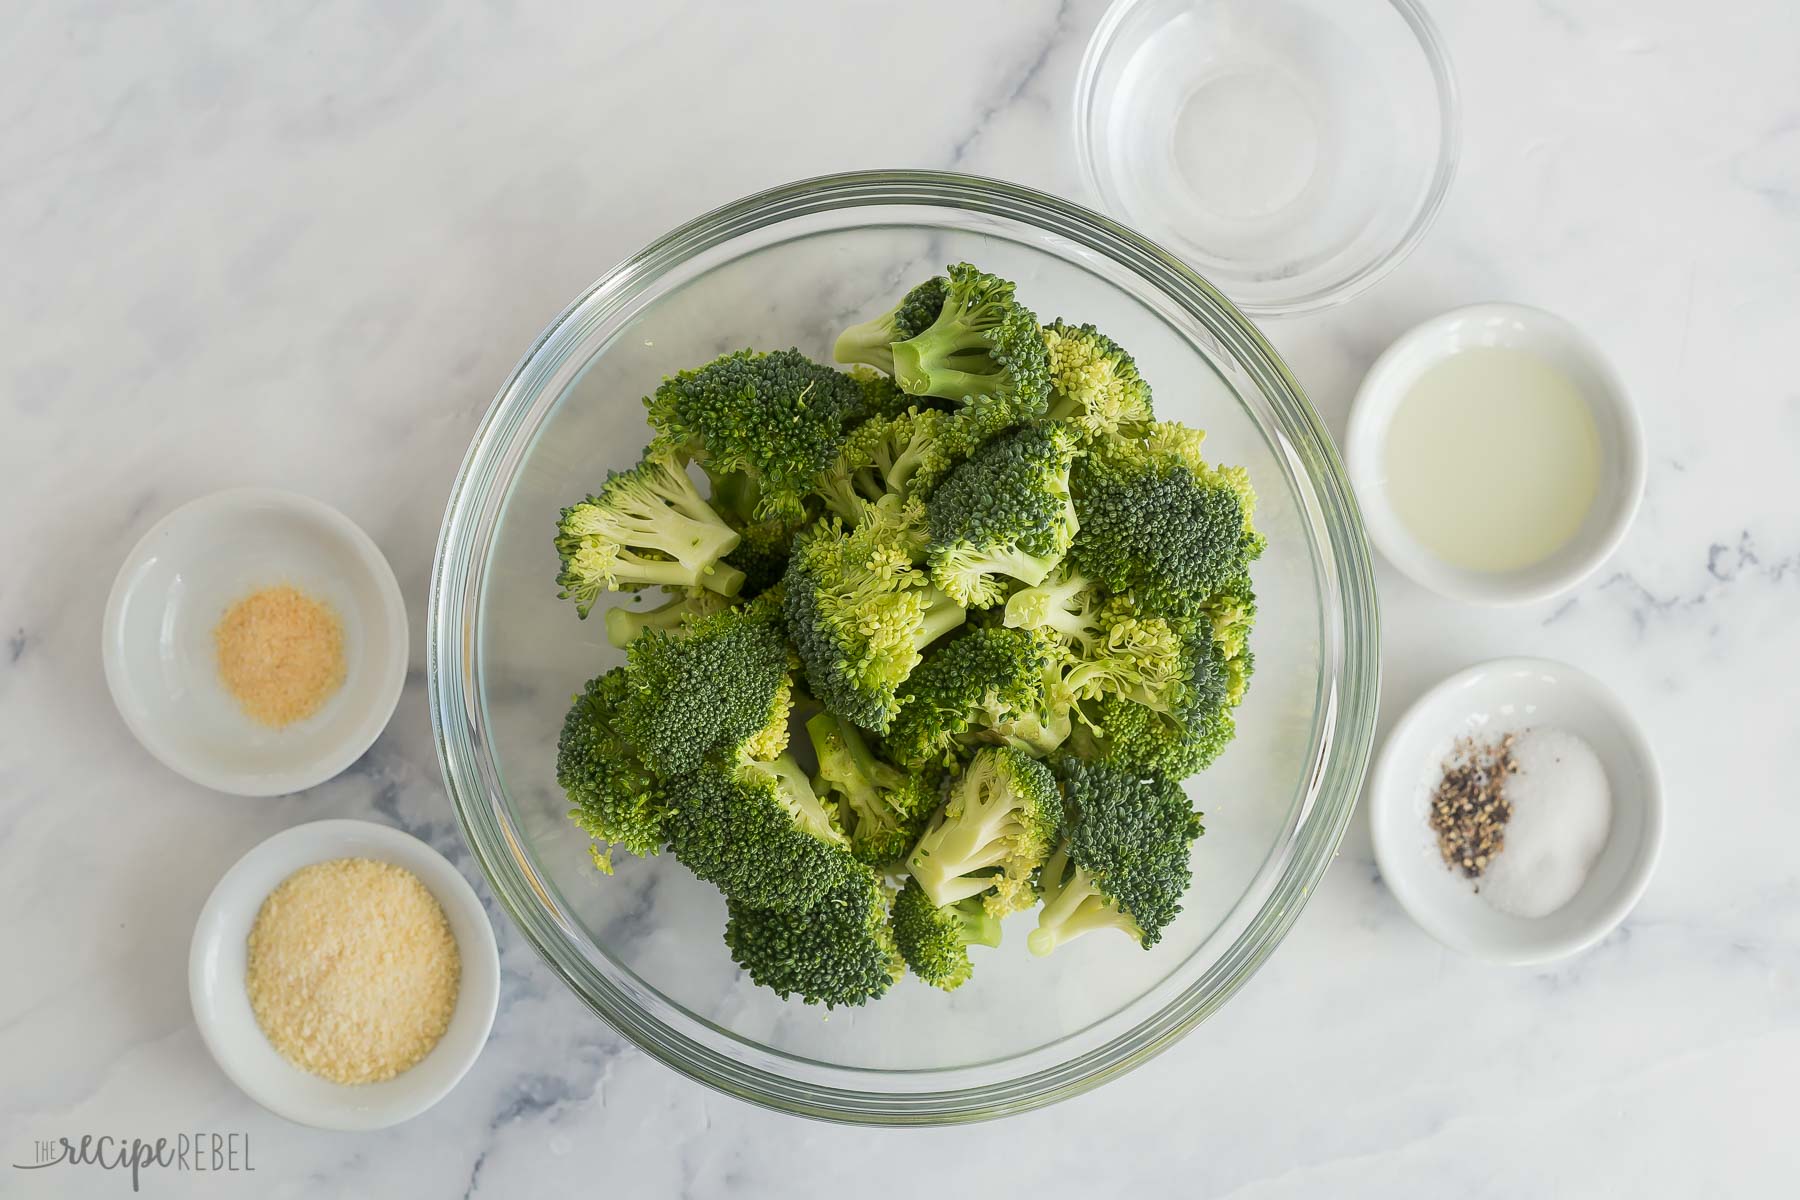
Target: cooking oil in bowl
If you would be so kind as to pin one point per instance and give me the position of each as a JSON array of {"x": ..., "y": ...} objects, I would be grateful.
[{"x": 1493, "y": 459}]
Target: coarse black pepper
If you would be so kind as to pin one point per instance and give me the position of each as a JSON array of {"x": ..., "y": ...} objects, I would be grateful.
[{"x": 1469, "y": 810}]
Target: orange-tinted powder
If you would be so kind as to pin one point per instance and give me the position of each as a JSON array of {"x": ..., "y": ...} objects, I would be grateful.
[{"x": 281, "y": 655}]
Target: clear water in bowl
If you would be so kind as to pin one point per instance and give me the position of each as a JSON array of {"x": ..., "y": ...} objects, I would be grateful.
[
  {"x": 655, "y": 920},
  {"x": 1281, "y": 147}
]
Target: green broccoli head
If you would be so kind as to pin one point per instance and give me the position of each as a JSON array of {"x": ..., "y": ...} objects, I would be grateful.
[
  {"x": 1123, "y": 859},
  {"x": 976, "y": 686},
  {"x": 860, "y": 614},
  {"x": 935, "y": 941},
  {"x": 1095, "y": 387},
  {"x": 992, "y": 832},
  {"x": 885, "y": 465},
  {"x": 1006, "y": 512},
  {"x": 1159, "y": 523},
  {"x": 776, "y": 418},
  {"x": 623, "y": 625},
  {"x": 839, "y": 949},
  {"x": 757, "y": 833},
  {"x": 1170, "y": 665},
  {"x": 1117, "y": 653},
  {"x": 1133, "y": 737},
  {"x": 880, "y": 807},
  {"x": 615, "y": 795},
  {"x": 647, "y": 526},
  {"x": 870, "y": 343},
  {"x": 710, "y": 692},
  {"x": 984, "y": 350},
  {"x": 1231, "y": 611}
]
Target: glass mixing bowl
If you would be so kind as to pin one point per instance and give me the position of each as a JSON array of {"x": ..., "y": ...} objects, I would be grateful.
[{"x": 643, "y": 947}]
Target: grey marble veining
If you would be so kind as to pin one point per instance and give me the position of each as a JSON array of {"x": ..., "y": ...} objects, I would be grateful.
[{"x": 301, "y": 245}]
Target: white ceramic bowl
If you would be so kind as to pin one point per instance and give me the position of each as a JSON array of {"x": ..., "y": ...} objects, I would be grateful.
[
  {"x": 217, "y": 960},
  {"x": 1512, "y": 326},
  {"x": 178, "y": 581},
  {"x": 1505, "y": 695}
]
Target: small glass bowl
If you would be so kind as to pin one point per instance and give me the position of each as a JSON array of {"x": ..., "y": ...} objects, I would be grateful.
[{"x": 1291, "y": 151}]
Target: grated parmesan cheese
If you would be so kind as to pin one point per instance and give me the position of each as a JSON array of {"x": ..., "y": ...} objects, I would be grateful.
[
  {"x": 281, "y": 655},
  {"x": 353, "y": 971}
]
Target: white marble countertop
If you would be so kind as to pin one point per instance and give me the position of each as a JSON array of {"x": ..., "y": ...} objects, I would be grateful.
[{"x": 302, "y": 244}]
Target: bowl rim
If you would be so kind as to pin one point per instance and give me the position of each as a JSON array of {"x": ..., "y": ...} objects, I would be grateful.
[
  {"x": 235, "y": 900},
  {"x": 1399, "y": 868},
  {"x": 1340, "y": 291},
  {"x": 1349, "y": 683},
  {"x": 385, "y": 686},
  {"x": 1436, "y": 340}
]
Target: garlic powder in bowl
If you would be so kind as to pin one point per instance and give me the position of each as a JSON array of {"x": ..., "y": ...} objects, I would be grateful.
[
  {"x": 281, "y": 654},
  {"x": 255, "y": 641}
]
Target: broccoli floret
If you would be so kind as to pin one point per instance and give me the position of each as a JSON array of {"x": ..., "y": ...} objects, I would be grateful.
[
  {"x": 984, "y": 350},
  {"x": 881, "y": 807},
  {"x": 1159, "y": 523},
  {"x": 1004, "y": 512},
  {"x": 615, "y": 794},
  {"x": 1068, "y": 605},
  {"x": 886, "y": 464},
  {"x": 935, "y": 941},
  {"x": 757, "y": 833},
  {"x": 860, "y": 614},
  {"x": 1133, "y": 737},
  {"x": 978, "y": 686},
  {"x": 646, "y": 526},
  {"x": 1123, "y": 860},
  {"x": 1232, "y": 612},
  {"x": 624, "y": 624},
  {"x": 1112, "y": 648},
  {"x": 777, "y": 418},
  {"x": 1095, "y": 387},
  {"x": 993, "y": 831},
  {"x": 869, "y": 343},
  {"x": 1121, "y": 661},
  {"x": 719, "y": 689},
  {"x": 837, "y": 950},
  {"x": 1153, "y": 695}
]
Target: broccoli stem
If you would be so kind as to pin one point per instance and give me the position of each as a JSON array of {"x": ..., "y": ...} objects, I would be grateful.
[
  {"x": 624, "y": 624},
  {"x": 723, "y": 579},
  {"x": 975, "y": 843},
  {"x": 829, "y": 733},
  {"x": 1072, "y": 907},
  {"x": 735, "y": 493},
  {"x": 975, "y": 926},
  {"x": 942, "y": 614},
  {"x": 1063, "y": 407},
  {"x": 867, "y": 344},
  {"x": 921, "y": 374},
  {"x": 795, "y": 792}
]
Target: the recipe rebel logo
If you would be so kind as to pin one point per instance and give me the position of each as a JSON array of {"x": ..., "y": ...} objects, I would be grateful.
[{"x": 192, "y": 1153}]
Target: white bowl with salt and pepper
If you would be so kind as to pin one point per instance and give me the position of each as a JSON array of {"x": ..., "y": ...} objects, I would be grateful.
[
  {"x": 218, "y": 966},
  {"x": 1553, "y": 710}
]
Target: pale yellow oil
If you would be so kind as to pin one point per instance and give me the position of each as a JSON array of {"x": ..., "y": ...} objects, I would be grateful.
[{"x": 1493, "y": 459}]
